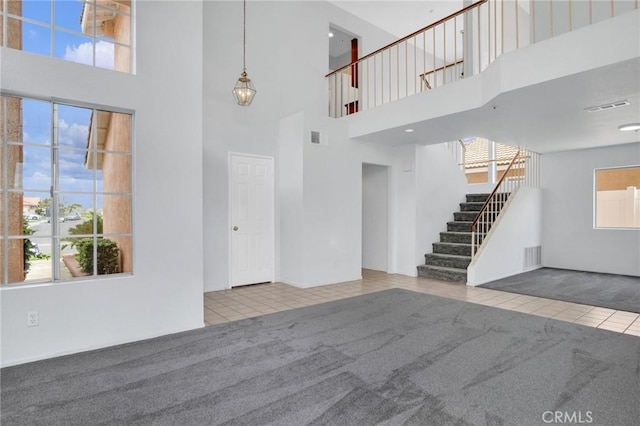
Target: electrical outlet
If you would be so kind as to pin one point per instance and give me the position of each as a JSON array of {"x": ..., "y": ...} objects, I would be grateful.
[{"x": 32, "y": 319}]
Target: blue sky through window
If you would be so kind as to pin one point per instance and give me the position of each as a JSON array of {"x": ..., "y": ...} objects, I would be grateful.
[
  {"x": 73, "y": 122},
  {"x": 72, "y": 134}
]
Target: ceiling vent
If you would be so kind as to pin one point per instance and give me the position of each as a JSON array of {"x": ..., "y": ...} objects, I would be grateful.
[{"x": 605, "y": 107}]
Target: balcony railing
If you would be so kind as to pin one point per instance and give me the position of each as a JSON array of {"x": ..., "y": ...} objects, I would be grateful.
[{"x": 460, "y": 45}]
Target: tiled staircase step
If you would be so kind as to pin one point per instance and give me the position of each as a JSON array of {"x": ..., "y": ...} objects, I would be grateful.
[
  {"x": 459, "y": 226},
  {"x": 477, "y": 198},
  {"x": 465, "y": 216},
  {"x": 471, "y": 207},
  {"x": 442, "y": 273},
  {"x": 452, "y": 248},
  {"x": 447, "y": 260},
  {"x": 455, "y": 237}
]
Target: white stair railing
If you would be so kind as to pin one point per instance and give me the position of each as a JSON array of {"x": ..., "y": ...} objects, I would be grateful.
[{"x": 524, "y": 170}]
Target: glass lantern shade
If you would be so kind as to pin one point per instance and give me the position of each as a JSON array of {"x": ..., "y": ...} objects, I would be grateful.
[{"x": 244, "y": 91}]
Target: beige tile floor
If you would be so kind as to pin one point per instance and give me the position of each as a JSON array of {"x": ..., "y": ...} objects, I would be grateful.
[{"x": 250, "y": 301}]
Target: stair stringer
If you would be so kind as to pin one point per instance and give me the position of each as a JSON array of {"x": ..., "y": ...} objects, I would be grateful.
[{"x": 518, "y": 226}]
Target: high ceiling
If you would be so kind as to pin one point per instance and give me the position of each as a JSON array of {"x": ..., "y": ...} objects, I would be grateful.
[{"x": 400, "y": 17}]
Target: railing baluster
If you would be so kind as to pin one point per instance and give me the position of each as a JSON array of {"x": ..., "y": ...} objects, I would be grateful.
[
  {"x": 435, "y": 79},
  {"x": 424, "y": 58},
  {"x": 444, "y": 52},
  {"x": 455, "y": 48},
  {"x": 517, "y": 27},
  {"x": 406, "y": 69},
  {"x": 479, "y": 48},
  {"x": 502, "y": 27},
  {"x": 398, "y": 71},
  {"x": 488, "y": 33},
  {"x": 415, "y": 66},
  {"x": 570, "y": 17},
  {"x": 551, "y": 17},
  {"x": 389, "y": 75},
  {"x": 375, "y": 81},
  {"x": 533, "y": 22}
]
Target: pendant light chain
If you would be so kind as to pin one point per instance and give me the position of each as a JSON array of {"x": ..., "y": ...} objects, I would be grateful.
[
  {"x": 244, "y": 91},
  {"x": 244, "y": 35}
]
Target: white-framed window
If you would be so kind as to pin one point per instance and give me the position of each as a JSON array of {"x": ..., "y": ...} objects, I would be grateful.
[
  {"x": 617, "y": 197},
  {"x": 91, "y": 32},
  {"x": 65, "y": 191}
]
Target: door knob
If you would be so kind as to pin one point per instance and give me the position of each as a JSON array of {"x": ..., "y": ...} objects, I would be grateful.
[{"x": 235, "y": 228}]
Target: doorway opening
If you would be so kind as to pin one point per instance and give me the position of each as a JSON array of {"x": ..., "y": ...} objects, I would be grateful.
[
  {"x": 344, "y": 50},
  {"x": 375, "y": 217}
]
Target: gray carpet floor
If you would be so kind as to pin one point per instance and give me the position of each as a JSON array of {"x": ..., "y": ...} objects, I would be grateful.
[
  {"x": 619, "y": 292},
  {"x": 391, "y": 358}
]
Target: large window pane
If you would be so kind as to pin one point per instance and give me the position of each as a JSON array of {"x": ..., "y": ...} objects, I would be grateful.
[
  {"x": 617, "y": 197},
  {"x": 68, "y": 14},
  {"x": 36, "y": 122},
  {"x": 37, "y": 10},
  {"x": 105, "y": 54},
  {"x": 73, "y": 47},
  {"x": 37, "y": 168},
  {"x": 82, "y": 227},
  {"x": 91, "y": 33},
  {"x": 36, "y": 38}
]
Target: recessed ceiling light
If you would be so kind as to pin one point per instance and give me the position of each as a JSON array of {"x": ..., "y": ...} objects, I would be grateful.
[
  {"x": 408, "y": 130},
  {"x": 605, "y": 107},
  {"x": 629, "y": 127},
  {"x": 330, "y": 34}
]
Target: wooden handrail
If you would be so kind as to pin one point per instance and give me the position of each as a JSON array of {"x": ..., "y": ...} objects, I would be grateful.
[
  {"x": 428, "y": 27},
  {"x": 486, "y": 203}
]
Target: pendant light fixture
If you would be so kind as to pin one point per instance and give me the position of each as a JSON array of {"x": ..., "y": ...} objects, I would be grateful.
[{"x": 244, "y": 91}]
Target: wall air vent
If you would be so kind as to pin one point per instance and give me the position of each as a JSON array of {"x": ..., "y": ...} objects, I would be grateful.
[
  {"x": 315, "y": 137},
  {"x": 605, "y": 107},
  {"x": 532, "y": 258}
]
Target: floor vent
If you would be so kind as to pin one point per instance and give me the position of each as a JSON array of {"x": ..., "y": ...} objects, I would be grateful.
[{"x": 532, "y": 257}]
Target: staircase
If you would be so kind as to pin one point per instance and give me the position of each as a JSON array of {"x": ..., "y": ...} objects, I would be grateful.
[{"x": 452, "y": 254}]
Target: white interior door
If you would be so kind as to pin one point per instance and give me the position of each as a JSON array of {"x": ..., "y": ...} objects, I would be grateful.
[{"x": 252, "y": 221}]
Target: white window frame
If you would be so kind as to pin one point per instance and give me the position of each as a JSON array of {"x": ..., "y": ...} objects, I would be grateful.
[
  {"x": 54, "y": 193},
  {"x": 5, "y": 16}
]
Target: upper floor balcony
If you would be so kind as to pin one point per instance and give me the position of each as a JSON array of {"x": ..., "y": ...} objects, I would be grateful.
[{"x": 488, "y": 49}]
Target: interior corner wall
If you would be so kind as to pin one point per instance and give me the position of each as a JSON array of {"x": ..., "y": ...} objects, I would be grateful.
[
  {"x": 569, "y": 238},
  {"x": 440, "y": 188},
  {"x": 164, "y": 294},
  {"x": 290, "y": 191},
  {"x": 287, "y": 53}
]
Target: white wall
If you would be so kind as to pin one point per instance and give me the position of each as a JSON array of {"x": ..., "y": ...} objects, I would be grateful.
[
  {"x": 287, "y": 59},
  {"x": 569, "y": 239},
  {"x": 375, "y": 209},
  {"x": 164, "y": 294},
  {"x": 440, "y": 188},
  {"x": 519, "y": 227}
]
